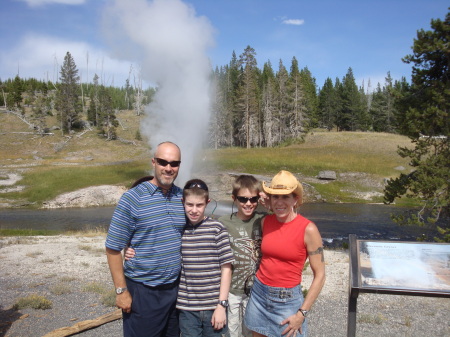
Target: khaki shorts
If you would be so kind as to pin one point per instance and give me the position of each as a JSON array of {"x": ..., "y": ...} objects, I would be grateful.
[{"x": 236, "y": 311}]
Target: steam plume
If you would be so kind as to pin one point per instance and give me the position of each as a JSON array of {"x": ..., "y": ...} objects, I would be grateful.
[{"x": 169, "y": 42}]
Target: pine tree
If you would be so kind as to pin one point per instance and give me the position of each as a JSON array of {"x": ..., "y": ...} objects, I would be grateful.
[
  {"x": 327, "y": 105},
  {"x": 248, "y": 97},
  {"x": 424, "y": 111},
  {"x": 270, "y": 124},
  {"x": 298, "y": 115},
  {"x": 311, "y": 100},
  {"x": 15, "y": 95},
  {"x": 350, "y": 116},
  {"x": 282, "y": 102},
  {"x": 68, "y": 103}
]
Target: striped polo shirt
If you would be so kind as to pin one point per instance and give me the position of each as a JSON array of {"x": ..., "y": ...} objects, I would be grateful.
[
  {"x": 152, "y": 223},
  {"x": 205, "y": 248}
]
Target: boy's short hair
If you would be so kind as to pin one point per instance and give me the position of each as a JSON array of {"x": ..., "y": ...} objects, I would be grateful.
[
  {"x": 245, "y": 181},
  {"x": 196, "y": 187}
]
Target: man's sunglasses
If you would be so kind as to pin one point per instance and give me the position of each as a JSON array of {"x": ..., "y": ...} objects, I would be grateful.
[
  {"x": 244, "y": 200},
  {"x": 164, "y": 163},
  {"x": 197, "y": 185}
]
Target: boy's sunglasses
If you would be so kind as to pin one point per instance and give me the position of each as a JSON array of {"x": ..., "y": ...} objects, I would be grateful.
[
  {"x": 244, "y": 200},
  {"x": 197, "y": 185},
  {"x": 164, "y": 163}
]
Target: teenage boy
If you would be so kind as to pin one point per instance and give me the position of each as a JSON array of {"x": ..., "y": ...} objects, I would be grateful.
[
  {"x": 244, "y": 228},
  {"x": 206, "y": 267}
]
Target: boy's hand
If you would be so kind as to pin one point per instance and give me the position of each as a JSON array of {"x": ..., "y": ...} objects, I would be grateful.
[
  {"x": 129, "y": 253},
  {"x": 219, "y": 318}
]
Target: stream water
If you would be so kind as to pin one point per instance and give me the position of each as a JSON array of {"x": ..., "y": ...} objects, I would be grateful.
[{"x": 335, "y": 221}]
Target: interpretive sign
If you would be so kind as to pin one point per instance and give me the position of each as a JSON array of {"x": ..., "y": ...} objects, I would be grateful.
[
  {"x": 405, "y": 265},
  {"x": 400, "y": 268}
]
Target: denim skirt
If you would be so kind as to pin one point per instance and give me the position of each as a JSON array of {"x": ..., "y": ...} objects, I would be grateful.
[{"x": 269, "y": 306}]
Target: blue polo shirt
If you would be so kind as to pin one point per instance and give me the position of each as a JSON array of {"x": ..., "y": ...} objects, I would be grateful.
[{"x": 152, "y": 223}]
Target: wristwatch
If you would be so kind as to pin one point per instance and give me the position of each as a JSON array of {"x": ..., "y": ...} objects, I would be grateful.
[
  {"x": 120, "y": 290},
  {"x": 224, "y": 303},
  {"x": 304, "y": 312}
]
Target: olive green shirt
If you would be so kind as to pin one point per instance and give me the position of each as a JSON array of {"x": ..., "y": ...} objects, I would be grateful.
[{"x": 245, "y": 240}]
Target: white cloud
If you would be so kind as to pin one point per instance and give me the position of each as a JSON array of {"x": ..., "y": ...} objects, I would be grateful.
[
  {"x": 36, "y": 3},
  {"x": 295, "y": 22},
  {"x": 41, "y": 57}
]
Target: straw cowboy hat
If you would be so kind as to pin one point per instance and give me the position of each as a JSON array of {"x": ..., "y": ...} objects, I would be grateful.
[{"x": 283, "y": 183}]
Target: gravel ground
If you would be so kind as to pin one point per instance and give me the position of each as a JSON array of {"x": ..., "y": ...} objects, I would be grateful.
[{"x": 67, "y": 269}]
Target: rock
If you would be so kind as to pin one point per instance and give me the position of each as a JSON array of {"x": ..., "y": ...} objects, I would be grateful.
[
  {"x": 327, "y": 175},
  {"x": 105, "y": 195},
  {"x": 399, "y": 168}
]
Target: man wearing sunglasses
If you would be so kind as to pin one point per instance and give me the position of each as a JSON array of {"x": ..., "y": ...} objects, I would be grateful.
[{"x": 149, "y": 218}]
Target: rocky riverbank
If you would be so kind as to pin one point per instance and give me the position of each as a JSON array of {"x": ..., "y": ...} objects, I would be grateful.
[{"x": 72, "y": 272}]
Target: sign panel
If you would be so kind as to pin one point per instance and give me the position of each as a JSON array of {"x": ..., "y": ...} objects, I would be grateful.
[{"x": 404, "y": 265}]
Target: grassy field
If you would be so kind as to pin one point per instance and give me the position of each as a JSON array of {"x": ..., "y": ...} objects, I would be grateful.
[
  {"x": 55, "y": 164},
  {"x": 372, "y": 153}
]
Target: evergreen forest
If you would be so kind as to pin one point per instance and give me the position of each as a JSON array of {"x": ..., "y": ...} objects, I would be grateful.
[{"x": 253, "y": 106}]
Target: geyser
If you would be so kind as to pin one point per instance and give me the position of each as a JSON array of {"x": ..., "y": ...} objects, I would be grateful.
[{"x": 169, "y": 42}]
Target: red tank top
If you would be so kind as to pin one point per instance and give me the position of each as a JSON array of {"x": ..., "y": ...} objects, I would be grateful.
[{"x": 283, "y": 252}]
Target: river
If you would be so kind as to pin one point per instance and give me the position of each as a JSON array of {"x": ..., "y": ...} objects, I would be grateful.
[{"x": 335, "y": 221}]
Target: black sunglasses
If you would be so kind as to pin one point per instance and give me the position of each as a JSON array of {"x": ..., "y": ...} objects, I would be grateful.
[
  {"x": 164, "y": 163},
  {"x": 244, "y": 200},
  {"x": 201, "y": 186}
]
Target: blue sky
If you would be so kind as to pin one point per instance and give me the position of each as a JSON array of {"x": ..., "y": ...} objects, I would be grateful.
[{"x": 326, "y": 36}]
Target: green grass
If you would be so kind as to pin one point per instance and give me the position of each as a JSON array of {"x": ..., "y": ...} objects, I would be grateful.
[
  {"x": 28, "y": 232},
  {"x": 96, "y": 287},
  {"x": 46, "y": 183},
  {"x": 372, "y": 153},
  {"x": 109, "y": 298},
  {"x": 67, "y": 170},
  {"x": 61, "y": 288},
  {"x": 6, "y": 232}
]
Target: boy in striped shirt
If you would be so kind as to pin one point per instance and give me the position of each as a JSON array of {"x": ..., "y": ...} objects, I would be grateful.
[{"x": 206, "y": 267}]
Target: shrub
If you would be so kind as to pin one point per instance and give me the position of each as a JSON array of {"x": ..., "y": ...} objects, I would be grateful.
[{"x": 33, "y": 301}]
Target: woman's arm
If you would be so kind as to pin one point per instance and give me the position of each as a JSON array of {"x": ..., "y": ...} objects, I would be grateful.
[{"x": 314, "y": 246}]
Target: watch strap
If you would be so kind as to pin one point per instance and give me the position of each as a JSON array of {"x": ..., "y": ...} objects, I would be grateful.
[
  {"x": 121, "y": 290},
  {"x": 303, "y": 311},
  {"x": 224, "y": 303}
]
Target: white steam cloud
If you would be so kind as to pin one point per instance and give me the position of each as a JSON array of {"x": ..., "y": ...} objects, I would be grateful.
[{"x": 169, "y": 43}]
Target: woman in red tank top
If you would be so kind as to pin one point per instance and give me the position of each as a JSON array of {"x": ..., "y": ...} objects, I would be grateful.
[{"x": 276, "y": 306}]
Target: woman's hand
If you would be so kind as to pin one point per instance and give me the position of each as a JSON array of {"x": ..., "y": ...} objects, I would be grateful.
[
  {"x": 294, "y": 323},
  {"x": 129, "y": 253},
  {"x": 264, "y": 200}
]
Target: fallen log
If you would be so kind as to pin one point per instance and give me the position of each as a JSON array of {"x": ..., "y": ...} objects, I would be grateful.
[{"x": 86, "y": 325}]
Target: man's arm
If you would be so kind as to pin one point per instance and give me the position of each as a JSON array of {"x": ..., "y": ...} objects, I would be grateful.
[{"x": 115, "y": 262}]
